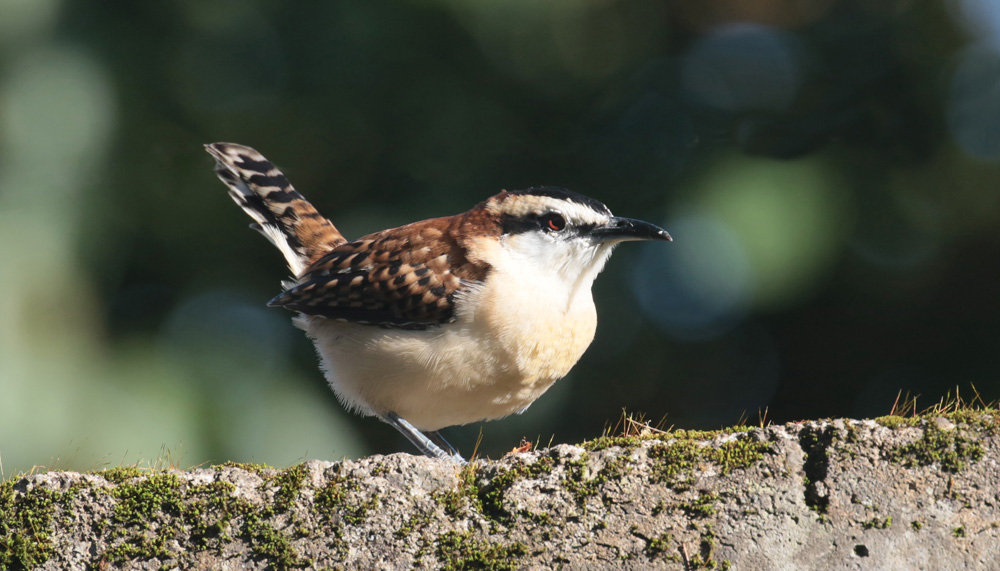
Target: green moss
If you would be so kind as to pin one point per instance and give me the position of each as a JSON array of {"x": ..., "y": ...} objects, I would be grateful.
[
  {"x": 209, "y": 511},
  {"x": 701, "y": 507},
  {"x": 488, "y": 497},
  {"x": 493, "y": 494},
  {"x": 262, "y": 470},
  {"x": 152, "y": 512},
  {"x": 254, "y": 523},
  {"x": 739, "y": 454},
  {"x": 412, "y": 523},
  {"x": 633, "y": 440},
  {"x": 120, "y": 474},
  {"x": 357, "y": 515},
  {"x": 138, "y": 526},
  {"x": 876, "y": 523},
  {"x": 708, "y": 541},
  {"x": 582, "y": 485},
  {"x": 705, "y": 558},
  {"x": 679, "y": 458},
  {"x": 467, "y": 493},
  {"x": 630, "y": 431},
  {"x": 958, "y": 532},
  {"x": 952, "y": 450},
  {"x": 333, "y": 495},
  {"x": 26, "y": 521},
  {"x": 156, "y": 509},
  {"x": 848, "y": 438},
  {"x": 335, "y": 509},
  {"x": 682, "y": 434},
  {"x": 894, "y": 421},
  {"x": 660, "y": 507},
  {"x": 605, "y": 442},
  {"x": 979, "y": 416},
  {"x": 141, "y": 502},
  {"x": 982, "y": 418},
  {"x": 659, "y": 546},
  {"x": 916, "y": 525},
  {"x": 140, "y": 547},
  {"x": 269, "y": 542},
  {"x": 461, "y": 551},
  {"x": 289, "y": 482},
  {"x": 674, "y": 460}
]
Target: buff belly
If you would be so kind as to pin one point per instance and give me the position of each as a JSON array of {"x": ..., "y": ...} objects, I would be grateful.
[{"x": 481, "y": 367}]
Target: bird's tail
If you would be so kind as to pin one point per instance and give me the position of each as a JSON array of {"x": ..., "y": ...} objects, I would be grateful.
[{"x": 280, "y": 213}]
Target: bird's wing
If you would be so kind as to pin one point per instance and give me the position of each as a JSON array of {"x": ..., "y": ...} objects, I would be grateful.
[{"x": 404, "y": 277}]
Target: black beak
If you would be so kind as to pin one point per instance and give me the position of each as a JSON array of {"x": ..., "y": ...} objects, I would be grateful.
[{"x": 629, "y": 229}]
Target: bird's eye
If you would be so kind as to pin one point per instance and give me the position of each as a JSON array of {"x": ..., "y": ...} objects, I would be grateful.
[{"x": 553, "y": 222}]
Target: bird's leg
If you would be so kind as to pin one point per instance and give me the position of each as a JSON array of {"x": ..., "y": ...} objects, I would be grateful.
[
  {"x": 439, "y": 439},
  {"x": 426, "y": 446}
]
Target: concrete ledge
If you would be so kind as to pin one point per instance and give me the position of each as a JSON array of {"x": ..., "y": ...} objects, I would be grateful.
[{"x": 891, "y": 493}]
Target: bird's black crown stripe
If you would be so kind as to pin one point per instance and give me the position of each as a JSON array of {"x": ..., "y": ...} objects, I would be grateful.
[{"x": 565, "y": 194}]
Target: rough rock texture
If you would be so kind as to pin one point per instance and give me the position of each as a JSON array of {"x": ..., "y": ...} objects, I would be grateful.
[{"x": 921, "y": 493}]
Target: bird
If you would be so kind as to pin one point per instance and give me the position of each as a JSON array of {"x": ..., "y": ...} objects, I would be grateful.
[{"x": 445, "y": 321}]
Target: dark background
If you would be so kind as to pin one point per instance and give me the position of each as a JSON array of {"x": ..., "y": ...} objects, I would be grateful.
[{"x": 827, "y": 168}]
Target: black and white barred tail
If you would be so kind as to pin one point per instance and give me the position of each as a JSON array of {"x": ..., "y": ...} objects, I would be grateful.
[{"x": 280, "y": 213}]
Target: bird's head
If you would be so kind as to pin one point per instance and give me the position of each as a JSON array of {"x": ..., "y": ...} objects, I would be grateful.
[{"x": 563, "y": 231}]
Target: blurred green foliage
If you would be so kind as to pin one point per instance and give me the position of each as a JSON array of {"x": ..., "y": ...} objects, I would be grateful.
[{"x": 828, "y": 169}]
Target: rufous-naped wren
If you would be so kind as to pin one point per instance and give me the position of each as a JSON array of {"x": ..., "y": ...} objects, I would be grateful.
[{"x": 444, "y": 321}]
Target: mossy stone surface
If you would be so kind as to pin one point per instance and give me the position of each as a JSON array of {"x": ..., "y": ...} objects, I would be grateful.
[{"x": 739, "y": 498}]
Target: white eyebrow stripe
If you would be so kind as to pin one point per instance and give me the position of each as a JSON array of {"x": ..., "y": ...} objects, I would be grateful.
[{"x": 576, "y": 213}]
